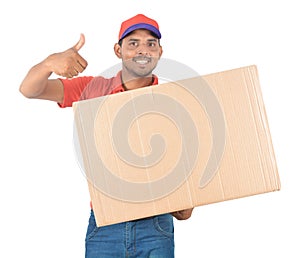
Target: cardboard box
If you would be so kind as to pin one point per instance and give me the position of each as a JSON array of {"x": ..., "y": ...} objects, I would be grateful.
[{"x": 176, "y": 145}]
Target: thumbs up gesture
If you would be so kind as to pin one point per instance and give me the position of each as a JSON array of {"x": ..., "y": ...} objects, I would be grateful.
[{"x": 68, "y": 63}]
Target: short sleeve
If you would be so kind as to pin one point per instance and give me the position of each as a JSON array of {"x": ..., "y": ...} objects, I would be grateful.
[{"x": 73, "y": 89}]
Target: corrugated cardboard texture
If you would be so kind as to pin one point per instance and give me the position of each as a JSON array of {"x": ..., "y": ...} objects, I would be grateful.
[{"x": 167, "y": 147}]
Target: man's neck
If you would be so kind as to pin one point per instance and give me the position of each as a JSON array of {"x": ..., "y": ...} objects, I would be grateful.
[{"x": 131, "y": 83}]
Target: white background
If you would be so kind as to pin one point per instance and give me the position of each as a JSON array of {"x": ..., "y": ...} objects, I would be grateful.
[{"x": 44, "y": 197}]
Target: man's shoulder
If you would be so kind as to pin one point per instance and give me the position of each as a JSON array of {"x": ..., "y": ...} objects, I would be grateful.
[{"x": 101, "y": 86}]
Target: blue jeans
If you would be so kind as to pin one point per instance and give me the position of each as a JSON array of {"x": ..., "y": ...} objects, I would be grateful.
[{"x": 144, "y": 238}]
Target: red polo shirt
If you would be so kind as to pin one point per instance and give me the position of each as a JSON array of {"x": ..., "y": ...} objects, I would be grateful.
[{"x": 89, "y": 87}]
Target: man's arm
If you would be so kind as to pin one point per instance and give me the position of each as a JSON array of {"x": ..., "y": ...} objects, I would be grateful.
[{"x": 69, "y": 63}]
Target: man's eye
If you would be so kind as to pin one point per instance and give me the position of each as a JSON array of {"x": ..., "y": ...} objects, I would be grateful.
[{"x": 133, "y": 44}]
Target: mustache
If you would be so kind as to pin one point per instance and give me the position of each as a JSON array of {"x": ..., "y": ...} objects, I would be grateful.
[{"x": 139, "y": 58}]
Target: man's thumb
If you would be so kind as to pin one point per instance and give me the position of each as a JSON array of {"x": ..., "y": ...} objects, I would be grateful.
[{"x": 80, "y": 43}]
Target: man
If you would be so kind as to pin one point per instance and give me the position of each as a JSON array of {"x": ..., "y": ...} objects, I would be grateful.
[{"x": 139, "y": 49}]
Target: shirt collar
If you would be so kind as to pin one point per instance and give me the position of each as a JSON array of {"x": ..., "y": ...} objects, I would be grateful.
[{"x": 121, "y": 87}]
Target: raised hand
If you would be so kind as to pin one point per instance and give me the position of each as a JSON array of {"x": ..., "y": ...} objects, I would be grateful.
[{"x": 68, "y": 63}]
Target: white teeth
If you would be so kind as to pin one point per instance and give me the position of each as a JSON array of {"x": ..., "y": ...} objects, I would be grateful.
[{"x": 142, "y": 61}]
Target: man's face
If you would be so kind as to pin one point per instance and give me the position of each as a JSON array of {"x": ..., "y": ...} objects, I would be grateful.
[{"x": 140, "y": 52}]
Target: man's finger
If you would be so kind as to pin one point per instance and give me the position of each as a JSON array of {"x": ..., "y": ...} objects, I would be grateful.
[
  {"x": 79, "y": 68},
  {"x": 80, "y": 43},
  {"x": 82, "y": 62}
]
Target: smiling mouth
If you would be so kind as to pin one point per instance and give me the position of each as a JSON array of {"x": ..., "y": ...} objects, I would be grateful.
[{"x": 141, "y": 60}]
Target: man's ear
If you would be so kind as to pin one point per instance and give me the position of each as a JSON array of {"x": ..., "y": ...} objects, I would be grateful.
[
  {"x": 117, "y": 49},
  {"x": 160, "y": 51}
]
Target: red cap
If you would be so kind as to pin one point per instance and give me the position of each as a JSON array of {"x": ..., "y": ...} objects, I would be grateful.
[{"x": 139, "y": 21}]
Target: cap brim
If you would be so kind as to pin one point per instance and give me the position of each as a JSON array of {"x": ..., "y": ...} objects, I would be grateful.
[{"x": 141, "y": 26}]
